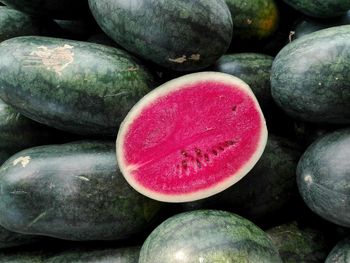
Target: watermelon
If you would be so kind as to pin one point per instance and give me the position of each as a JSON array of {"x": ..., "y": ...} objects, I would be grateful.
[
  {"x": 310, "y": 79},
  {"x": 306, "y": 26},
  {"x": 340, "y": 253},
  {"x": 253, "y": 20},
  {"x": 208, "y": 236},
  {"x": 79, "y": 87},
  {"x": 183, "y": 35},
  {"x": 323, "y": 174},
  {"x": 63, "y": 9},
  {"x": 297, "y": 244},
  {"x": 71, "y": 191},
  {"x": 268, "y": 187},
  {"x": 320, "y": 8},
  {"x": 14, "y": 23},
  {"x": 191, "y": 138}
]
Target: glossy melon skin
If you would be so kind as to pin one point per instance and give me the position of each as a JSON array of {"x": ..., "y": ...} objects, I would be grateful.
[
  {"x": 208, "y": 236},
  {"x": 183, "y": 35},
  {"x": 323, "y": 175},
  {"x": 63, "y": 9},
  {"x": 310, "y": 79},
  {"x": 340, "y": 253},
  {"x": 296, "y": 244},
  {"x": 71, "y": 191},
  {"x": 79, "y": 87},
  {"x": 320, "y": 8},
  {"x": 253, "y": 20}
]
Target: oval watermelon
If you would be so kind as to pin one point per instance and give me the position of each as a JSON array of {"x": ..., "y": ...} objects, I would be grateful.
[
  {"x": 191, "y": 137},
  {"x": 80, "y": 87},
  {"x": 310, "y": 79},
  {"x": 323, "y": 174},
  {"x": 71, "y": 191},
  {"x": 183, "y": 35},
  {"x": 208, "y": 236}
]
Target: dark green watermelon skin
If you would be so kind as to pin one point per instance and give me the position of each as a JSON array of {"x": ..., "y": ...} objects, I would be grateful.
[
  {"x": 320, "y": 8},
  {"x": 302, "y": 245},
  {"x": 308, "y": 25},
  {"x": 323, "y": 174},
  {"x": 310, "y": 79},
  {"x": 266, "y": 189},
  {"x": 88, "y": 90},
  {"x": 71, "y": 191},
  {"x": 208, "y": 236},
  {"x": 253, "y": 20},
  {"x": 14, "y": 23},
  {"x": 183, "y": 35},
  {"x": 340, "y": 253},
  {"x": 63, "y": 9}
]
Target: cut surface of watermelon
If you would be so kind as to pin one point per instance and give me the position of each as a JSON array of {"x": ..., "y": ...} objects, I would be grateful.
[{"x": 191, "y": 138}]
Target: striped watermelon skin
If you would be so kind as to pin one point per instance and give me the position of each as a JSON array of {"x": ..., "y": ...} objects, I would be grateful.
[
  {"x": 71, "y": 191},
  {"x": 183, "y": 35},
  {"x": 322, "y": 175},
  {"x": 310, "y": 79},
  {"x": 208, "y": 236},
  {"x": 80, "y": 87}
]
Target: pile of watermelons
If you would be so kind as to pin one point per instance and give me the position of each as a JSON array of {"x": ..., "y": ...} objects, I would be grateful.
[{"x": 175, "y": 131}]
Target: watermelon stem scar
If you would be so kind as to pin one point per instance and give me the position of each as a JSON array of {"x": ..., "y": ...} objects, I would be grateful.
[{"x": 191, "y": 138}]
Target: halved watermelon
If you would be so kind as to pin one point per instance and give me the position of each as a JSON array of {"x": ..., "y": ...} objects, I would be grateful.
[{"x": 192, "y": 137}]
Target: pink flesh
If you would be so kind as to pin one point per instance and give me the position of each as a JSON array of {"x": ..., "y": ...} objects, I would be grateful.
[{"x": 193, "y": 138}]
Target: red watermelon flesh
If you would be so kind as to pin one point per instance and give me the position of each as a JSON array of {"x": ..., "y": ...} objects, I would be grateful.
[{"x": 191, "y": 138}]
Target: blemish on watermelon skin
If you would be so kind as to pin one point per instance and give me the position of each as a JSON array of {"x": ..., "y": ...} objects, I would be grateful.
[{"x": 193, "y": 137}]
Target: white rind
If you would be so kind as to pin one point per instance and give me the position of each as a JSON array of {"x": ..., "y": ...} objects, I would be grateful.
[{"x": 172, "y": 86}]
